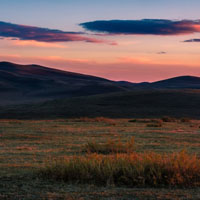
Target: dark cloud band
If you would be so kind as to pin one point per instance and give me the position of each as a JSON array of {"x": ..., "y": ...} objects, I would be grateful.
[
  {"x": 192, "y": 40},
  {"x": 42, "y": 34},
  {"x": 145, "y": 26}
]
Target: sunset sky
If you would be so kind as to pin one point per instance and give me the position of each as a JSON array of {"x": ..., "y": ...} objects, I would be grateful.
[{"x": 133, "y": 40}]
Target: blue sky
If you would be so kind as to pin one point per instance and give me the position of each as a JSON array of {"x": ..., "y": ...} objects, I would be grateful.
[{"x": 66, "y": 14}]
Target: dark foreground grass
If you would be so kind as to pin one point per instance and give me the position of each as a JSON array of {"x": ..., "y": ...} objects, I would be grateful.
[{"x": 136, "y": 169}]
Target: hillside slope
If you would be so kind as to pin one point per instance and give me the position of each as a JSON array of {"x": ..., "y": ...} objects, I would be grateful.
[
  {"x": 156, "y": 103},
  {"x": 181, "y": 82},
  {"x": 29, "y": 83}
]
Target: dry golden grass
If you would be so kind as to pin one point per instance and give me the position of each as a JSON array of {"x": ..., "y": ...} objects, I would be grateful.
[
  {"x": 110, "y": 147},
  {"x": 155, "y": 124},
  {"x": 96, "y": 119},
  {"x": 26, "y": 144},
  {"x": 146, "y": 169}
]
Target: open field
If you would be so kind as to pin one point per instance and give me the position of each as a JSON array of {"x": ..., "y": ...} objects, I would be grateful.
[{"x": 25, "y": 146}]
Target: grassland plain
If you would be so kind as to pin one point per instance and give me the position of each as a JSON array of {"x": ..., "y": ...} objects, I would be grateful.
[
  {"x": 137, "y": 104},
  {"x": 25, "y": 146}
]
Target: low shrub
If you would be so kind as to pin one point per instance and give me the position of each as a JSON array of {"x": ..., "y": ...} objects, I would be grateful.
[
  {"x": 185, "y": 120},
  {"x": 110, "y": 147},
  {"x": 144, "y": 169},
  {"x": 145, "y": 120},
  {"x": 168, "y": 119},
  {"x": 132, "y": 120},
  {"x": 157, "y": 121},
  {"x": 157, "y": 124},
  {"x": 96, "y": 119}
]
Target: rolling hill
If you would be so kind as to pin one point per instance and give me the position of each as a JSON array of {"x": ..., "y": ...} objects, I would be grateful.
[
  {"x": 32, "y": 83},
  {"x": 32, "y": 91},
  {"x": 181, "y": 82}
]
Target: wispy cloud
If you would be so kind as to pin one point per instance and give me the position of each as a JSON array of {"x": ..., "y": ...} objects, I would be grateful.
[
  {"x": 144, "y": 26},
  {"x": 33, "y": 33},
  {"x": 32, "y": 43},
  {"x": 162, "y": 52}
]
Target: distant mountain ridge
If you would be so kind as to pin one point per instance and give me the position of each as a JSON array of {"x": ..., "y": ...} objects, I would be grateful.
[
  {"x": 33, "y": 83},
  {"x": 180, "y": 82},
  {"x": 192, "y": 82}
]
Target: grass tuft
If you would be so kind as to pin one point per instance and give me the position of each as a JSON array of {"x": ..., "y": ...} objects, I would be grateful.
[
  {"x": 147, "y": 169},
  {"x": 110, "y": 147},
  {"x": 96, "y": 119},
  {"x": 185, "y": 120},
  {"x": 156, "y": 124},
  {"x": 168, "y": 119}
]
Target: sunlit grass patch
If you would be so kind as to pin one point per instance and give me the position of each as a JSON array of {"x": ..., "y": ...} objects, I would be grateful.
[
  {"x": 147, "y": 169},
  {"x": 96, "y": 119},
  {"x": 155, "y": 124},
  {"x": 110, "y": 146}
]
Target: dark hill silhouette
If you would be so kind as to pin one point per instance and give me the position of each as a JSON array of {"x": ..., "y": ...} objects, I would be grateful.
[
  {"x": 28, "y": 83},
  {"x": 178, "y": 83},
  {"x": 181, "y": 82}
]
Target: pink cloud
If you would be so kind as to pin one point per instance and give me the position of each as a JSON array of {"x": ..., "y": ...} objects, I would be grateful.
[{"x": 32, "y": 43}]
